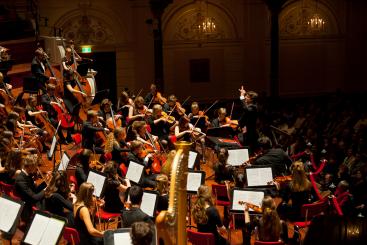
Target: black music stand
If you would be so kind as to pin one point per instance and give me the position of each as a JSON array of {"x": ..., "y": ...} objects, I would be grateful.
[
  {"x": 100, "y": 95},
  {"x": 221, "y": 132}
]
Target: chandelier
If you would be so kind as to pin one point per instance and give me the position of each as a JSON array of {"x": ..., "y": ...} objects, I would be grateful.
[
  {"x": 316, "y": 23},
  {"x": 204, "y": 23}
]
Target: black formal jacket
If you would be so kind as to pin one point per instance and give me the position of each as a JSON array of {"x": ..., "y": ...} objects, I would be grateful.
[
  {"x": 88, "y": 134},
  {"x": 29, "y": 193},
  {"x": 38, "y": 72},
  {"x": 134, "y": 215},
  {"x": 278, "y": 159}
]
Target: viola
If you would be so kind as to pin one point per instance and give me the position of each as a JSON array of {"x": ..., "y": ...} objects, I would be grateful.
[{"x": 254, "y": 207}]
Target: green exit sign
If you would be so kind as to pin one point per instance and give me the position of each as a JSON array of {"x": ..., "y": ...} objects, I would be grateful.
[{"x": 86, "y": 49}]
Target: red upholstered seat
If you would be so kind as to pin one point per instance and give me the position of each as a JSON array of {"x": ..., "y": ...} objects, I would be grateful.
[
  {"x": 106, "y": 217},
  {"x": 71, "y": 235},
  {"x": 221, "y": 195},
  {"x": 200, "y": 238}
]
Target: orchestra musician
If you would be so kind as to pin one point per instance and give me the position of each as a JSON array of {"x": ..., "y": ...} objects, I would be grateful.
[
  {"x": 223, "y": 172},
  {"x": 82, "y": 167},
  {"x": 221, "y": 120},
  {"x": 114, "y": 190},
  {"x": 173, "y": 107},
  {"x": 184, "y": 129},
  {"x": 160, "y": 124},
  {"x": 89, "y": 130},
  {"x": 275, "y": 157},
  {"x": 70, "y": 75},
  {"x": 248, "y": 119},
  {"x": 38, "y": 69},
  {"x": 48, "y": 101},
  {"x": 26, "y": 188},
  {"x": 120, "y": 148},
  {"x": 196, "y": 114},
  {"x": 140, "y": 111},
  {"x": 83, "y": 210},
  {"x": 270, "y": 227},
  {"x": 12, "y": 167},
  {"x": 154, "y": 96},
  {"x": 125, "y": 105},
  {"x": 137, "y": 155},
  {"x": 104, "y": 112}
]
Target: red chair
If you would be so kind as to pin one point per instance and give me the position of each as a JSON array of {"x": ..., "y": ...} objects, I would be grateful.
[
  {"x": 221, "y": 195},
  {"x": 123, "y": 169},
  {"x": 308, "y": 211},
  {"x": 107, "y": 218},
  {"x": 268, "y": 243},
  {"x": 6, "y": 188},
  {"x": 71, "y": 235},
  {"x": 200, "y": 238}
]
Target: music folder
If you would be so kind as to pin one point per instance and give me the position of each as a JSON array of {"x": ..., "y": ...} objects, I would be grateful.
[
  {"x": 149, "y": 202},
  {"x": 193, "y": 158},
  {"x": 9, "y": 215},
  {"x": 45, "y": 229},
  {"x": 64, "y": 162},
  {"x": 135, "y": 172},
  {"x": 249, "y": 195},
  {"x": 237, "y": 157},
  {"x": 194, "y": 180},
  {"x": 259, "y": 176},
  {"x": 199, "y": 122},
  {"x": 122, "y": 236},
  {"x": 50, "y": 153},
  {"x": 98, "y": 180}
]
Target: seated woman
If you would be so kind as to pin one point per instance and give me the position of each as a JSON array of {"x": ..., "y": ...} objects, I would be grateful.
[
  {"x": 114, "y": 192},
  {"x": 270, "y": 227},
  {"x": 163, "y": 189},
  {"x": 58, "y": 196},
  {"x": 83, "y": 210},
  {"x": 206, "y": 215},
  {"x": 298, "y": 192}
]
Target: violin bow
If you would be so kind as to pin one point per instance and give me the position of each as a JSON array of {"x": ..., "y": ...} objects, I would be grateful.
[
  {"x": 215, "y": 102},
  {"x": 230, "y": 115}
]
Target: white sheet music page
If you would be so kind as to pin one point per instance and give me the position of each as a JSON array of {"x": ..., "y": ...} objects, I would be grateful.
[
  {"x": 253, "y": 197},
  {"x": 37, "y": 229},
  {"x": 64, "y": 162},
  {"x": 52, "y": 148},
  {"x": 192, "y": 159},
  {"x": 98, "y": 181},
  {"x": 122, "y": 238},
  {"x": 134, "y": 172},
  {"x": 237, "y": 157},
  {"x": 193, "y": 181},
  {"x": 8, "y": 214},
  {"x": 52, "y": 233},
  {"x": 148, "y": 203},
  {"x": 259, "y": 176}
]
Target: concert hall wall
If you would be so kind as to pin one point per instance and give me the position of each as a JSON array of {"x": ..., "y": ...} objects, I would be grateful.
[{"x": 238, "y": 53}]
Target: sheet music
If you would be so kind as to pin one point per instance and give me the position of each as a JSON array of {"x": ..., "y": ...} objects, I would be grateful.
[
  {"x": 122, "y": 238},
  {"x": 64, "y": 162},
  {"x": 134, "y": 172},
  {"x": 193, "y": 181},
  {"x": 98, "y": 181},
  {"x": 37, "y": 229},
  {"x": 259, "y": 176},
  {"x": 253, "y": 197},
  {"x": 192, "y": 159},
  {"x": 52, "y": 232},
  {"x": 237, "y": 157},
  {"x": 148, "y": 203},
  {"x": 52, "y": 148},
  {"x": 8, "y": 217}
]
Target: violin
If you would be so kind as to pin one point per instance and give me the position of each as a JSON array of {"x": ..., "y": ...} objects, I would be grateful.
[
  {"x": 96, "y": 165},
  {"x": 170, "y": 119},
  {"x": 254, "y": 207},
  {"x": 232, "y": 123},
  {"x": 179, "y": 109},
  {"x": 158, "y": 98}
]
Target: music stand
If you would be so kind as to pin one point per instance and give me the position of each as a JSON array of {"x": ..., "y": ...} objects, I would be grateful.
[
  {"x": 194, "y": 180},
  {"x": 9, "y": 216},
  {"x": 149, "y": 202},
  {"x": 98, "y": 179},
  {"x": 259, "y": 176},
  {"x": 64, "y": 162},
  {"x": 199, "y": 122},
  {"x": 122, "y": 236},
  {"x": 221, "y": 132},
  {"x": 100, "y": 95},
  {"x": 135, "y": 172},
  {"x": 193, "y": 160},
  {"x": 249, "y": 195},
  {"x": 237, "y": 157},
  {"x": 45, "y": 228},
  {"x": 51, "y": 152}
]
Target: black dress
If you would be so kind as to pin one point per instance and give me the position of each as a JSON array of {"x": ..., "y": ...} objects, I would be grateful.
[
  {"x": 112, "y": 200},
  {"x": 212, "y": 224},
  {"x": 85, "y": 237},
  {"x": 70, "y": 101},
  {"x": 56, "y": 204}
]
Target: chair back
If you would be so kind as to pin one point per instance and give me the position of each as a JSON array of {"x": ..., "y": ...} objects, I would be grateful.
[
  {"x": 268, "y": 243},
  {"x": 71, "y": 235},
  {"x": 220, "y": 192},
  {"x": 6, "y": 188},
  {"x": 200, "y": 238},
  {"x": 312, "y": 209}
]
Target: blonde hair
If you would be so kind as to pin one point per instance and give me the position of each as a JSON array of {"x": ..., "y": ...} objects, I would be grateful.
[
  {"x": 156, "y": 108},
  {"x": 299, "y": 180},
  {"x": 199, "y": 210},
  {"x": 162, "y": 184},
  {"x": 270, "y": 227},
  {"x": 85, "y": 194}
]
